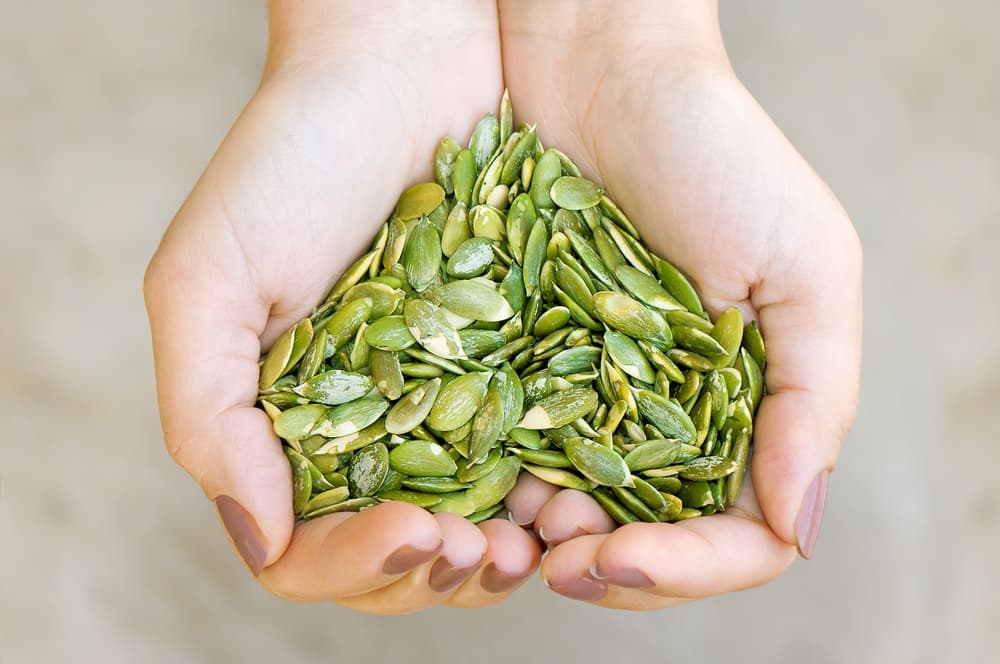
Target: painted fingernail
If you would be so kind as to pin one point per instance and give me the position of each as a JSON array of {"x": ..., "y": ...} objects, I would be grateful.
[
  {"x": 495, "y": 581},
  {"x": 444, "y": 576},
  {"x": 586, "y": 588},
  {"x": 244, "y": 532},
  {"x": 627, "y": 577},
  {"x": 810, "y": 517},
  {"x": 407, "y": 557}
]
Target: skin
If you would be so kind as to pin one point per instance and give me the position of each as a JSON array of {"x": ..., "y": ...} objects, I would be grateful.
[
  {"x": 646, "y": 102},
  {"x": 354, "y": 97}
]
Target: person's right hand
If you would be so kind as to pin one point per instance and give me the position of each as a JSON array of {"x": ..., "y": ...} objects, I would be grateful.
[{"x": 353, "y": 101}]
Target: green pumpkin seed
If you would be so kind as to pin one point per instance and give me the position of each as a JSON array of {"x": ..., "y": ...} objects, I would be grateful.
[
  {"x": 335, "y": 387},
  {"x": 464, "y": 177},
  {"x": 686, "y": 358},
  {"x": 708, "y": 468},
  {"x": 474, "y": 299},
  {"x": 435, "y": 484},
  {"x": 485, "y": 140},
  {"x": 413, "y": 497},
  {"x": 352, "y": 505},
  {"x": 350, "y": 417},
  {"x": 422, "y": 256},
  {"x": 432, "y": 329},
  {"x": 666, "y": 416},
  {"x": 634, "y": 319},
  {"x": 385, "y": 299},
  {"x": 527, "y": 438},
  {"x": 343, "y": 325},
  {"x": 458, "y": 401},
  {"x": 678, "y": 285},
  {"x": 575, "y": 193},
  {"x": 597, "y": 463},
  {"x": 389, "y": 333},
  {"x": 471, "y": 470},
  {"x": 522, "y": 150},
  {"x": 547, "y": 458},
  {"x": 659, "y": 453},
  {"x": 740, "y": 455},
  {"x": 354, "y": 441},
  {"x": 559, "y": 409},
  {"x": 491, "y": 489},
  {"x": 286, "y": 352},
  {"x": 479, "y": 343},
  {"x": 422, "y": 458},
  {"x": 419, "y": 200},
  {"x": 696, "y": 494},
  {"x": 487, "y": 424},
  {"x": 299, "y": 422},
  {"x": 534, "y": 255},
  {"x": 547, "y": 170},
  {"x": 633, "y": 504},
  {"x": 698, "y": 342},
  {"x": 410, "y": 411},
  {"x": 728, "y": 331},
  {"x": 483, "y": 515},
  {"x": 615, "y": 509},
  {"x": 574, "y": 360},
  {"x": 368, "y": 470},
  {"x": 559, "y": 477}
]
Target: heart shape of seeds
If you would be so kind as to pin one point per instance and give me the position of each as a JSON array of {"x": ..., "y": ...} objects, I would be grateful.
[{"x": 509, "y": 318}]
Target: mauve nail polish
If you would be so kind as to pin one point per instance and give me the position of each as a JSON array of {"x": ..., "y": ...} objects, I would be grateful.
[
  {"x": 407, "y": 557},
  {"x": 444, "y": 576},
  {"x": 243, "y": 531},
  {"x": 810, "y": 517},
  {"x": 585, "y": 588},
  {"x": 495, "y": 581}
]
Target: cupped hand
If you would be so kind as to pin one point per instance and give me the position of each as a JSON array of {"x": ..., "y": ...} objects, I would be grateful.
[
  {"x": 642, "y": 96},
  {"x": 353, "y": 101}
]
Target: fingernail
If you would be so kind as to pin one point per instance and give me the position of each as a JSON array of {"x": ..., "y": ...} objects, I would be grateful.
[
  {"x": 518, "y": 521},
  {"x": 585, "y": 588},
  {"x": 810, "y": 517},
  {"x": 577, "y": 532},
  {"x": 407, "y": 557},
  {"x": 243, "y": 531},
  {"x": 444, "y": 576},
  {"x": 627, "y": 577},
  {"x": 495, "y": 581}
]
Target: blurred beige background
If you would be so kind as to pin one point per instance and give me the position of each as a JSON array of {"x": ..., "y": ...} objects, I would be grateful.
[{"x": 108, "y": 553}]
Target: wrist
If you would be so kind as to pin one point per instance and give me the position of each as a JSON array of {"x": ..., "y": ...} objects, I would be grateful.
[{"x": 344, "y": 31}]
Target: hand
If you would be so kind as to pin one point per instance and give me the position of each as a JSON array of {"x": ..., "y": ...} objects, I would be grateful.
[
  {"x": 353, "y": 102},
  {"x": 644, "y": 99}
]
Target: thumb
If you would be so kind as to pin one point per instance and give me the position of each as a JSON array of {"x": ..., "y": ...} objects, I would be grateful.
[
  {"x": 810, "y": 317},
  {"x": 206, "y": 322}
]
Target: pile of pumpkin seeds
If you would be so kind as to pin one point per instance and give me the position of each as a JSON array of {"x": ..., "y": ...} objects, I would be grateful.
[{"x": 509, "y": 318}]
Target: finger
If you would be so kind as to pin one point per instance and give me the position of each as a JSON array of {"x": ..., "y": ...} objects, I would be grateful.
[
  {"x": 571, "y": 514},
  {"x": 694, "y": 558},
  {"x": 339, "y": 556},
  {"x": 568, "y": 571},
  {"x": 810, "y": 317},
  {"x": 527, "y": 497},
  {"x": 461, "y": 556},
  {"x": 512, "y": 555},
  {"x": 205, "y": 329}
]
